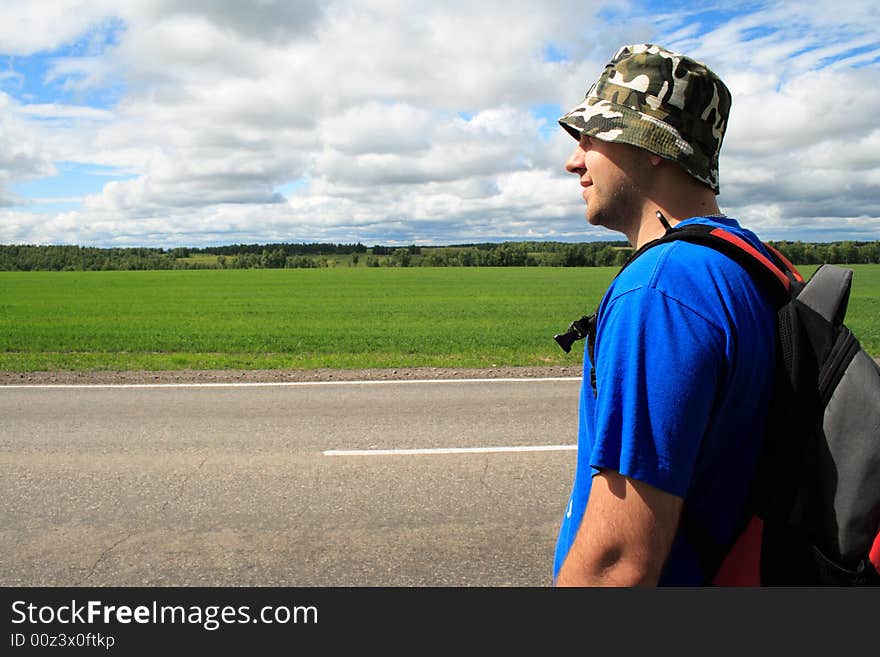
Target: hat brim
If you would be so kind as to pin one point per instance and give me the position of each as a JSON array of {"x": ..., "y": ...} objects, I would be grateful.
[{"x": 608, "y": 121}]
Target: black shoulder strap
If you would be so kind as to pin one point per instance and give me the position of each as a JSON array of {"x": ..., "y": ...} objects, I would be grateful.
[{"x": 775, "y": 274}]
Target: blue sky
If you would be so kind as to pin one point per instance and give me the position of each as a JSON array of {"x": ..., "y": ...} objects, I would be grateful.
[{"x": 150, "y": 123}]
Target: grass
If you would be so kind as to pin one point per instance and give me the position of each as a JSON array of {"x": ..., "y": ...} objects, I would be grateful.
[
  {"x": 294, "y": 318},
  {"x": 863, "y": 313},
  {"x": 297, "y": 318}
]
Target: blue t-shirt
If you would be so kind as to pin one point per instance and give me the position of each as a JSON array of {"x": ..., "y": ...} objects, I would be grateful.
[{"x": 684, "y": 361}]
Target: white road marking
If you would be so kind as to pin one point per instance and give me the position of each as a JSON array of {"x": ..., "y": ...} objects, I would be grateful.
[
  {"x": 265, "y": 384},
  {"x": 450, "y": 450}
]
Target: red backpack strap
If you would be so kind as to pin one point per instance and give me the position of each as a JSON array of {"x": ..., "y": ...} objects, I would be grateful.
[
  {"x": 752, "y": 252},
  {"x": 776, "y": 275},
  {"x": 742, "y": 565},
  {"x": 874, "y": 554},
  {"x": 779, "y": 277},
  {"x": 786, "y": 264},
  {"x": 739, "y": 564}
]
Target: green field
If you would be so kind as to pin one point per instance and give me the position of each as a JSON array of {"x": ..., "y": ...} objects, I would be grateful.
[{"x": 296, "y": 318}]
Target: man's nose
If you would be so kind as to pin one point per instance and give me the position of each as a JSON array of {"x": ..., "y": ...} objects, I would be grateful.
[{"x": 575, "y": 162}]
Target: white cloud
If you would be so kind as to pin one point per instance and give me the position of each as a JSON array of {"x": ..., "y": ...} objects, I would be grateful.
[
  {"x": 21, "y": 155},
  {"x": 29, "y": 27},
  {"x": 264, "y": 20},
  {"x": 799, "y": 159},
  {"x": 410, "y": 120}
]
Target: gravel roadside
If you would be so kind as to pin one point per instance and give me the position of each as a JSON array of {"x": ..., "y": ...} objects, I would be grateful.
[
  {"x": 105, "y": 377},
  {"x": 278, "y": 376}
]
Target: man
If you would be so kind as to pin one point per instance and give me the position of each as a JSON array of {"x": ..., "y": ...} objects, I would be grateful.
[{"x": 684, "y": 346}]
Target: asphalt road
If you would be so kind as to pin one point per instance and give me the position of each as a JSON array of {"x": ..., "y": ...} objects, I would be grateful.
[{"x": 233, "y": 486}]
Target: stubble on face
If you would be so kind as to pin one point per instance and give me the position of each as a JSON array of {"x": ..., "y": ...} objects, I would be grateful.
[{"x": 616, "y": 198}]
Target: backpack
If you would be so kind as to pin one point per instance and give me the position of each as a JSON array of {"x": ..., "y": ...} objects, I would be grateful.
[{"x": 813, "y": 518}]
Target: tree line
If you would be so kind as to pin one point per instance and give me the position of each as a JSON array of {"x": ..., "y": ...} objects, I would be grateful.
[{"x": 289, "y": 256}]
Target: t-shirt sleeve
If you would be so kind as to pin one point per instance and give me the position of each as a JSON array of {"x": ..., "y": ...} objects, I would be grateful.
[{"x": 658, "y": 367}]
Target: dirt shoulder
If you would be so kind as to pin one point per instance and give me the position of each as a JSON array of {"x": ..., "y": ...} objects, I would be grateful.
[{"x": 279, "y": 376}]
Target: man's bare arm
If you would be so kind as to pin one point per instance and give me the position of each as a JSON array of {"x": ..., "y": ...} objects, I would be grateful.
[{"x": 625, "y": 535}]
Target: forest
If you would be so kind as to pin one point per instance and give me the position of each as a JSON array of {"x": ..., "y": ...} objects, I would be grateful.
[{"x": 321, "y": 255}]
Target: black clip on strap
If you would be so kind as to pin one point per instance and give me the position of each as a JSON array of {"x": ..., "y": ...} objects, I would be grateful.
[{"x": 578, "y": 330}]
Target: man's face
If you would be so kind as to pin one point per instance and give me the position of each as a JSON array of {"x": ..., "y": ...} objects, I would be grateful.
[{"x": 612, "y": 176}]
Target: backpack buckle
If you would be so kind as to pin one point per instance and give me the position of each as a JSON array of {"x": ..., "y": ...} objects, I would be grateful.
[{"x": 578, "y": 330}]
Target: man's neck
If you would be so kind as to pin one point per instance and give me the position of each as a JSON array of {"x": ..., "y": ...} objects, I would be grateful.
[{"x": 650, "y": 226}]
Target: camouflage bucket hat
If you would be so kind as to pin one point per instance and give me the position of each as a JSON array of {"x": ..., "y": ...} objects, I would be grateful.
[{"x": 659, "y": 100}]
